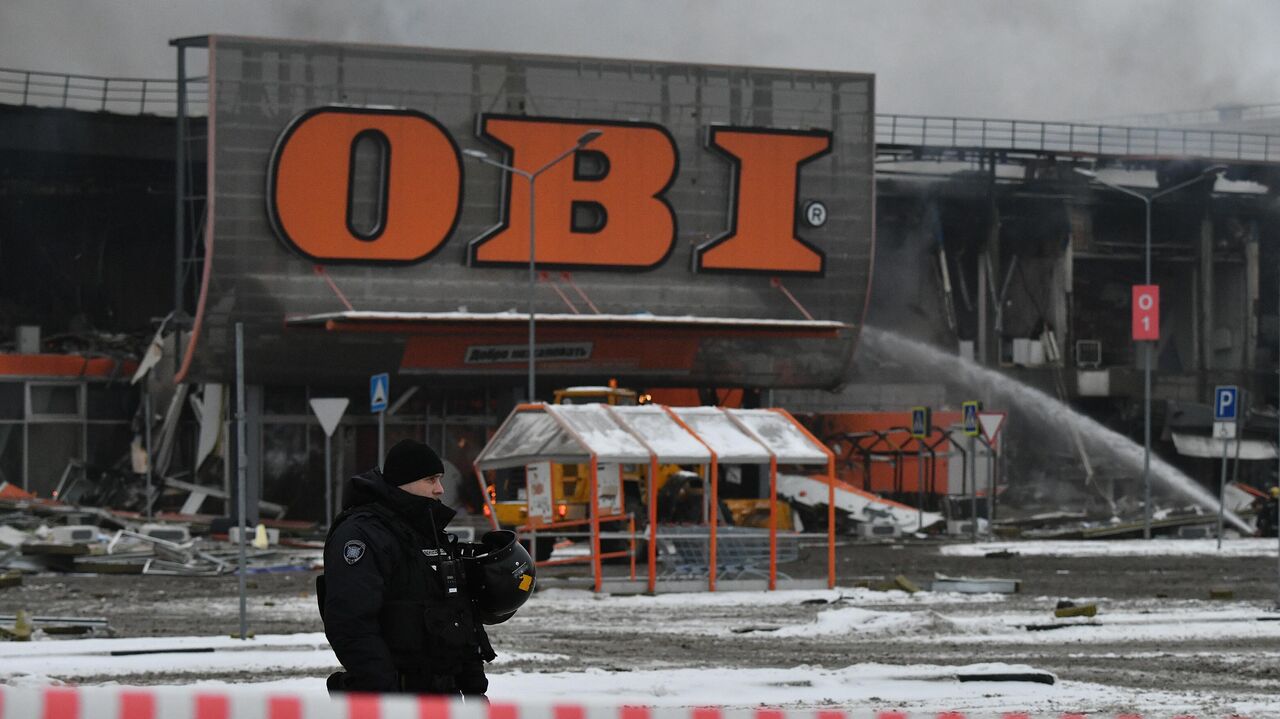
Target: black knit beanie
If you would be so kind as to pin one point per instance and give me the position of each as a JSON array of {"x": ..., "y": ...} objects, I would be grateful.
[{"x": 409, "y": 461}]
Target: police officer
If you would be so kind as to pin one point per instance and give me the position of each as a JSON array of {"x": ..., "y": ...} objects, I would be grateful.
[
  {"x": 396, "y": 605},
  {"x": 1267, "y": 513}
]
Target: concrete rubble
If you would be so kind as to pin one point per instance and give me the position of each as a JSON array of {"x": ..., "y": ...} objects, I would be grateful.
[{"x": 38, "y": 536}]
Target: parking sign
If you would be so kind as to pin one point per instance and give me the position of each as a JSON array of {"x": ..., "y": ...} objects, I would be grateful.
[{"x": 1226, "y": 403}]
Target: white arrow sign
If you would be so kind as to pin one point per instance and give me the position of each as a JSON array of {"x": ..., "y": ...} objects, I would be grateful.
[
  {"x": 991, "y": 423},
  {"x": 329, "y": 411}
]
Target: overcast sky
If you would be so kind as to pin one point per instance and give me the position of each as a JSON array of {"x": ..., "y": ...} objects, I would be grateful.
[{"x": 1041, "y": 59}]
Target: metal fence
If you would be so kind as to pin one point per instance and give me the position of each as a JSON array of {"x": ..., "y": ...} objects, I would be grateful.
[
  {"x": 1073, "y": 138},
  {"x": 1226, "y": 117},
  {"x": 124, "y": 95},
  {"x": 160, "y": 97},
  {"x": 741, "y": 552}
]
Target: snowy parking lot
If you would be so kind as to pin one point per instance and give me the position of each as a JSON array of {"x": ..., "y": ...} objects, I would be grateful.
[{"x": 1157, "y": 644}]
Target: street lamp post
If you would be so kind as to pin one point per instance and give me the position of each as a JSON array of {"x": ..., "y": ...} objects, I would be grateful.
[
  {"x": 1211, "y": 171},
  {"x": 586, "y": 138}
]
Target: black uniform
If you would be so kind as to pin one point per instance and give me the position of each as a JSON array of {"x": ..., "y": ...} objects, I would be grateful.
[
  {"x": 1267, "y": 517},
  {"x": 394, "y": 599}
]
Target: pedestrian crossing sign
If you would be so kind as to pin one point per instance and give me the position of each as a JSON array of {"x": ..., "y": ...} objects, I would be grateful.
[
  {"x": 921, "y": 422},
  {"x": 379, "y": 388},
  {"x": 972, "y": 427}
]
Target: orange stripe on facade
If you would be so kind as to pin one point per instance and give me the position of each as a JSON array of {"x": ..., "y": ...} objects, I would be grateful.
[{"x": 51, "y": 365}]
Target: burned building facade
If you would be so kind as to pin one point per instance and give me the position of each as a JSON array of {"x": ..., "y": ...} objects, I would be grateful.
[{"x": 718, "y": 232}]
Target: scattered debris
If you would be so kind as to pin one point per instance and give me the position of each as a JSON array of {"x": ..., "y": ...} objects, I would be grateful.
[
  {"x": 905, "y": 584},
  {"x": 40, "y": 535},
  {"x": 177, "y": 650},
  {"x": 1058, "y": 625},
  {"x": 1070, "y": 609},
  {"x": 59, "y": 625},
  {"x": 755, "y": 628},
  {"x": 1037, "y": 677},
  {"x": 975, "y": 585},
  {"x": 21, "y": 628},
  {"x": 1002, "y": 554}
]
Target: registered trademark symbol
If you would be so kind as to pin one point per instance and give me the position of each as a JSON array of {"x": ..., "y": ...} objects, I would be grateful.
[{"x": 815, "y": 213}]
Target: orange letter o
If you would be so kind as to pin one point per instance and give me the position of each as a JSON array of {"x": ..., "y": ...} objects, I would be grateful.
[{"x": 308, "y": 187}]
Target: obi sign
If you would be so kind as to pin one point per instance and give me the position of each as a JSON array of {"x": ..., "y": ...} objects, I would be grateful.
[
  {"x": 1146, "y": 312},
  {"x": 604, "y": 208}
]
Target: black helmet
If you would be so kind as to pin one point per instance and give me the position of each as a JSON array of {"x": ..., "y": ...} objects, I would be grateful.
[{"x": 502, "y": 577}]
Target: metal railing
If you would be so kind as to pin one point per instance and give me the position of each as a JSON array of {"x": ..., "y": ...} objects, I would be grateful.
[
  {"x": 160, "y": 97},
  {"x": 1073, "y": 138},
  {"x": 1223, "y": 117},
  {"x": 123, "y": 95}
]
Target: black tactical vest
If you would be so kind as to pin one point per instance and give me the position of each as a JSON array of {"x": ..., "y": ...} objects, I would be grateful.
[{"x": 427, "y": 619}]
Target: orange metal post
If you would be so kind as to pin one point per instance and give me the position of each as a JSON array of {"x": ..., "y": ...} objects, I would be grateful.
[
  {"x": 773, "y": 521},
  {"x": 653, "y": 505},
  {"x": 711, "y": 570},
  {"x": 484, "y": 492},
  {"x": 631, "y": 529},
  {"x": 596, "y": 567},
  {"x": 712, "y": 562},
  {"x": 831, "y": 521},
  {"x": 653, "y": 524},
  {"x": 831, "y": 495}
]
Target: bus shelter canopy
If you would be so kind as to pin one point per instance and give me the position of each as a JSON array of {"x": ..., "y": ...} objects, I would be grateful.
[
  {"x": 752, "y": 436},
  {"x": 573, "y": 434},
  {"x": 784, "y": 438}
]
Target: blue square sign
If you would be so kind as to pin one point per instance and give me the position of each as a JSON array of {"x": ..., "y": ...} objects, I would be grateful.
[
  {"x": 379, "y": 389},
  {"x": 1226, "y": 403}
]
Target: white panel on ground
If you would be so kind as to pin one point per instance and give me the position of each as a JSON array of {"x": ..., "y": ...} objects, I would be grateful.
[{"x": 854, "y": 503}]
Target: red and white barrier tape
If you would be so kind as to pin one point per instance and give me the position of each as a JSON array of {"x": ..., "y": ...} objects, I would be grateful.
[{"x": 259, "y": 703}]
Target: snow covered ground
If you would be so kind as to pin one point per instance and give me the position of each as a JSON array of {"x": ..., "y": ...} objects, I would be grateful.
[
  {"x": 1241, "y": 547},
  {"x": 300, "y": 661},
  {"x": 852, "y": 648}
]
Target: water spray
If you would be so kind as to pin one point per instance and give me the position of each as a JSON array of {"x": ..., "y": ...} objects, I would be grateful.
[{"x": 1045, "y": 408}]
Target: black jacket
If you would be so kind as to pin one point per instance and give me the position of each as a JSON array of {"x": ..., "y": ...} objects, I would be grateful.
[{"x": 387, "y": 607}]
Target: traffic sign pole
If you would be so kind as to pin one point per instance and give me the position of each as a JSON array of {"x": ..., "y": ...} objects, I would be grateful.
[
  {"x": 1222, "y": 490},
  {"x": 382, "y": 437},
  {"x": 328, "y": 480},
  {"x": 329, "y": 411},
  {"x": 973, "y": 487},
  {"x": 920, "y": 484},
  {"x": 972, "y": 427},
  {"x": 921, "y": 428},
  {"x": 1226, "y": 416},
  {"x": 379, "y": 393},
  {"x": 1146, "y": 330}
]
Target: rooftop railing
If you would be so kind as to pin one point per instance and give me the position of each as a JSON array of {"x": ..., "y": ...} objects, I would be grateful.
[
  {"x": 124, "y": 95},
  {"x": 160, "y": 97},
  {"x": 1074, "y": 138}
]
